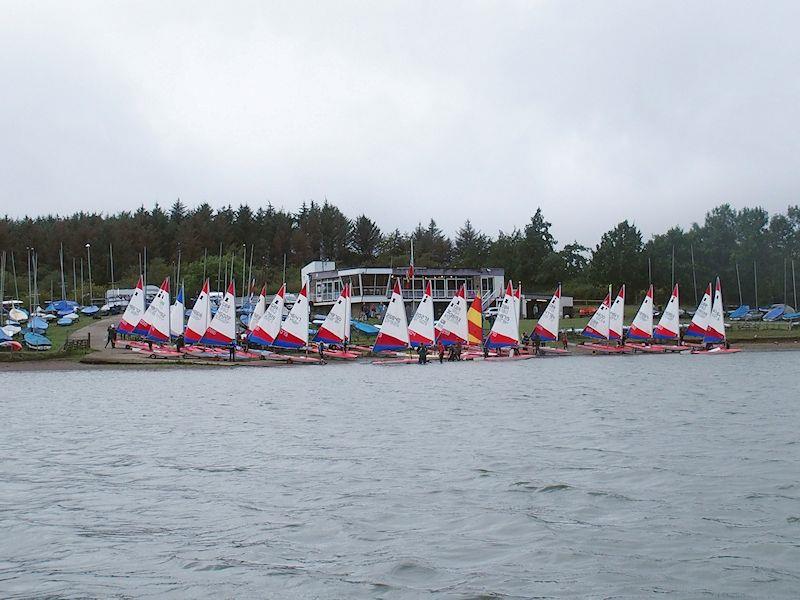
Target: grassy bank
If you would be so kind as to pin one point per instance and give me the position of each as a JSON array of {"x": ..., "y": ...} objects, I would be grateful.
[{"x": 58, "y": 336}]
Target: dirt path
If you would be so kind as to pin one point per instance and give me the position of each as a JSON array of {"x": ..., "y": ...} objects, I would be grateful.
[{"x": 97, "y": 329}]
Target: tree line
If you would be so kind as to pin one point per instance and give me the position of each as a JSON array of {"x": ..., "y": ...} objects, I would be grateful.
[{"x": 228, "y": 240}]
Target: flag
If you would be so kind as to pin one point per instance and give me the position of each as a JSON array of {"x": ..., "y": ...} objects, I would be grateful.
[{"x": 410, "y": 272}]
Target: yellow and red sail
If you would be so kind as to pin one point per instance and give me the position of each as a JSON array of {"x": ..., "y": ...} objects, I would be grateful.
[{"x": 475, "y": 321}]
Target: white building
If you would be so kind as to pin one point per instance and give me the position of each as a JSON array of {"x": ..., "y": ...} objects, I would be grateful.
[{"x": 373, "y": 285}]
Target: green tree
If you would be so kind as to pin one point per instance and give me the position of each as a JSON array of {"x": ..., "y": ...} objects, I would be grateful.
[{"x": 366, "y": 240}]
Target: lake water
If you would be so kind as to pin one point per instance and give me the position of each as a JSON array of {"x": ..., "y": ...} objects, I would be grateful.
[{"x": 592, "y": 477}]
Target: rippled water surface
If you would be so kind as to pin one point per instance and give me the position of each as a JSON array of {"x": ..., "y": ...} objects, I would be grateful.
[{"x": 581, "y": 477}]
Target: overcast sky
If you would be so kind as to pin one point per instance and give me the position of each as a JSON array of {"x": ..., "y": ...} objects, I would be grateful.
[{"x": 595, "y": 111}]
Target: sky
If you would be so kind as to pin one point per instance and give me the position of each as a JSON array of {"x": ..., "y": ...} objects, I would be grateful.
[{"x": 649, "y": 111}]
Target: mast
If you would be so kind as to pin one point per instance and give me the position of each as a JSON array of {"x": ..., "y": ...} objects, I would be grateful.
[
  {"x": 61, "y": 263},
  {"x": 30, "y": 288},
  {"x": 2, "y": 284},
  {"x": 219, "y": 267},
  {"x": 178, "y": 272},
  {"x": 794, "y": 285},
  {"x": 694, "y": 276},
  {"x": 74, "y": 281},
  {"x": 755, "y": 278},
  {"x": 111, "y": 262},
  {"x": 284, "y": 268},
  {"x": 250, "y": 270},
  {"x": 16, "y": 284},
  {"x": 649, "y": 271},
  {"x": 205, "y": 258},
  {"x": 672, "y": 283},
  {"x": 739, "y": 281},
  {"x": 82, "y": 291}
]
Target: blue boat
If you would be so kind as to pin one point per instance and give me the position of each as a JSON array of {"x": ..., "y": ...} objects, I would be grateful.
[
  {"x": 38, "y": 342},
  {"x": 4, "y": 337},
  {"x": 365, "y": 328},
  {"x": 37, "y": 324},
  {"x": 90, "y": 310},
  {"x": 64, "y": 322},
  {"x": 740, "y": 312},
  {"x": 777, "y": 312}
]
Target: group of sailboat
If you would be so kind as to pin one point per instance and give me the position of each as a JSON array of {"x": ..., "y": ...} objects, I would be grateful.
[
  {"x": 606, "y": 329},
  {"x": 460, "y": 325}
]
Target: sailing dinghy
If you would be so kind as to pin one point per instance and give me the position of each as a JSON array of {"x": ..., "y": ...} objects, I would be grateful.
[
  {"x": 335, "y": 327},
  {"x": 598, "y": 328},
  {"x": 199, "y": 317},
  {"x": 176, "y": 315},
  {"x": 452, "y": 327},
  {"x": 293, "y": 333},
  {"x": 548, "y": 324},
  {"x": 697, "y": 328},
  {"x": 134, "y": 311},
  {"x": 222, "y": 328},
  {"x": 420, "y": 330},
  {"x": 269, "y": 325},
  {"x": 715, "y": 331},
  {"x": 394, "y": 329}
]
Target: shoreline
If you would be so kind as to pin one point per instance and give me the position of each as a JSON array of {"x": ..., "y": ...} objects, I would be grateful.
[{"x": 106, "y": 360}]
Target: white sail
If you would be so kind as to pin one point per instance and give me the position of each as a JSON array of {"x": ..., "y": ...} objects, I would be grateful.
[
  {"x": 156, "y": 317},
  {"x": 642, "y": 326},
  {"x": 176, "y": 315},
  {"x": 420, "y": 329},
  {"x": 133, "y": 312},
  {"x": 222, "y": 328},
  {"x": 699, "y": 324},
  {"x": 715, "y": 332},
  {"x": 547, "y": 326},
  {"x": 269, "y": 325},
  {"x": 452, "y": 327},
  {"x": 505, "y": 330},
  {"x": 199, "y": 318},
  {"x": 294, "y": 331},
  {"x": 669, "y": 327},
  {"x": 598, "y": 324},
  {"x": 333, "y": 329},
  {"x": 258, "y": 311},
  {"x": 394, "y": 329},
  {"x": 616, "y": 315}
]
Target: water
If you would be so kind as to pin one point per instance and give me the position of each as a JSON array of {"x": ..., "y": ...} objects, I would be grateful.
[{"x": 566, "y": 477}]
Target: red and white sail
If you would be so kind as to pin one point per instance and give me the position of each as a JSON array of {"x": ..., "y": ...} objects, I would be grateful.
[
  {"x": 156, "y": 317},
  {"x": 269, "y": 325},
  {"x": 699, "y": 324},
  {"x": 334, "y": 329},
  {"x": 547, "y": 326},
  {"x": 669, "y": 326},
  {"x": 294, "y": 331},
  {"x": 452, "y": 327},
  {"x": 394, "y": 329},
  {"x": 176, "y": 315},
  {"x": 134, "y": 311},
  {"x": 222, "y": 328},
  {"x": 505, "y": 330},
  {"x": 199, "y": 318},
  {"x": 598, "y": 324},
  {"x": 420, "y": 329},
  {"x": 616, "y": 315},
  {"x": 715, "y": 332},
  {"x": 642, "y": 326},
  {"x": 258, "y": 311}
]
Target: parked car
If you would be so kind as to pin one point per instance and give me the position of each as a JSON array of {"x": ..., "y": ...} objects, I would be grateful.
[{"x": 587, "y": 311}]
